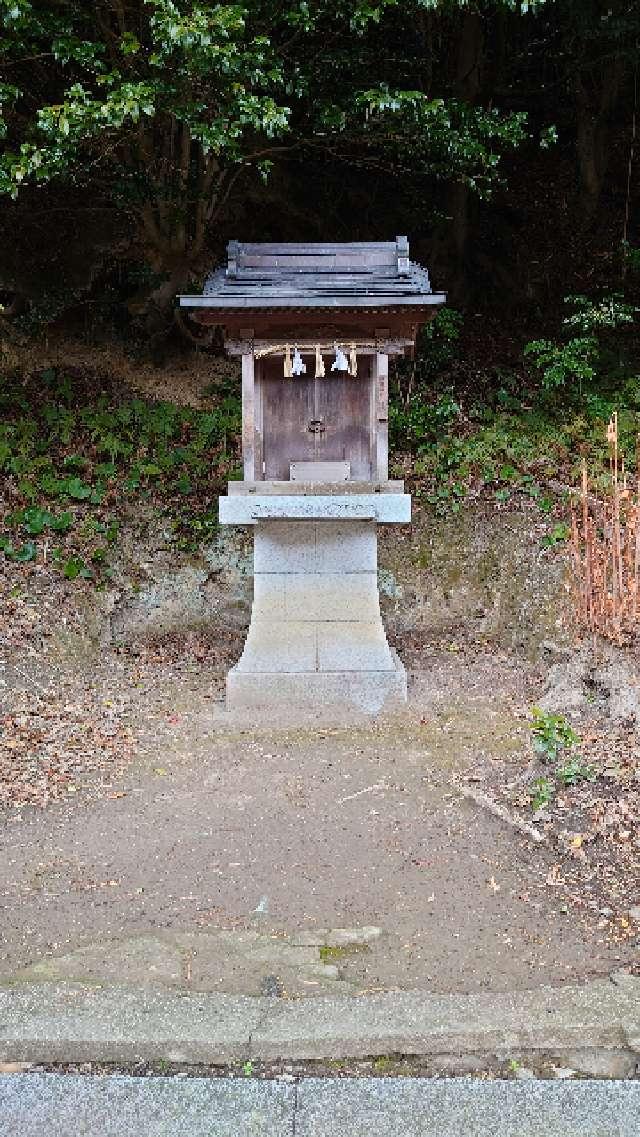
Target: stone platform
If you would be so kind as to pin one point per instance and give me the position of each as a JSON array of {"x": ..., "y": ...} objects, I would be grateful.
[{"x": 316, "y": 635}]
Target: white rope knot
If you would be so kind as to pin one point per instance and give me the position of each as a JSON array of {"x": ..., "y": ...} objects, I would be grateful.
[{"x": 353, "y": 361}]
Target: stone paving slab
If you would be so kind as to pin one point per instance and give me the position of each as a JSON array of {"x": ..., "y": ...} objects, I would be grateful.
[
  {"x": 233, "y": 962},
  {"x": 389, "y": 1107},
  {"x": 90, "y": 1106},
  {"x": 58, "y": 1105}
]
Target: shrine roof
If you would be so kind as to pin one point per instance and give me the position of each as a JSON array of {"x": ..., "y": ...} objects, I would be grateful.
[{"x": 360, "y": 274}]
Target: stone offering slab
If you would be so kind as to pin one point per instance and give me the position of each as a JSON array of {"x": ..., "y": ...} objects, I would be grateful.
[{"x": 250, "y": 509}]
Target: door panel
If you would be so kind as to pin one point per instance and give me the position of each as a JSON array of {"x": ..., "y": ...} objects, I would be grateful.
[
  {"x": 337, "y": 408},
  {"x": 287, "y": 409},
  {"x": 345, "y": 405}
]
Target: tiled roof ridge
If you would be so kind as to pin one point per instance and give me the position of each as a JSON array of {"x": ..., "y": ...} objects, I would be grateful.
[{"x": 367, "y": 274}]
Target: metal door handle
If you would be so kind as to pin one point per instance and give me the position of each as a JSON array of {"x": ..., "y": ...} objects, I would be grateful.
[{"x": 316, "y": 426}]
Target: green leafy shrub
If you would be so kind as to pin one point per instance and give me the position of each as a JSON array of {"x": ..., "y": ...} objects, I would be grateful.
[
  {"x": 552, "y": 734},
  {"x": 557, "y": 536},
  {"x": 578, "y": 360},
  {"x": 560, "y": 364},
  {"x": 94, "y": 452},
  {"x": 554, "y": 739},
  {"x": 575, "y": 771},
  {"x": 420, "y": 423},
  {"x": 542, "y": 792},
  {"x": 21, "y": 553}
]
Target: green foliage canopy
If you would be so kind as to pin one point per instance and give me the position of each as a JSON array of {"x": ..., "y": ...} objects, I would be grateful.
[{"x": 162, "y": 105}]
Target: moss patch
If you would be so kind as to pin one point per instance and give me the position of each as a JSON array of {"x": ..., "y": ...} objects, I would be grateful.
[{"x": 333, "y": 954}]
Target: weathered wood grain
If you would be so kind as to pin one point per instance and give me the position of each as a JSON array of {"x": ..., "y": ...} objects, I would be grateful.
[
  {"x": 368, "y": 275},
  {"x": 248, "y": 417},
  {"x": 305, "y": 419},
  {"x": 382, "y": 416}
]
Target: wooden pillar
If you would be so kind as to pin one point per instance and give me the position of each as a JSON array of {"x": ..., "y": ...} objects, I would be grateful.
[
  {"x": 381, "y": 451},
  {"x": 248, "y": 416}
]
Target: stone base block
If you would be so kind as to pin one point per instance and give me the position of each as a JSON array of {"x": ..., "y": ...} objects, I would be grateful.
[
  {"x": 316, "y": 637},
  {"x": 368, "y": 691}
]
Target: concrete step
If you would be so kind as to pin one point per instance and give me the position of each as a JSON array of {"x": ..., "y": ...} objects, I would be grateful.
[{"x": 59, "y": 1105}]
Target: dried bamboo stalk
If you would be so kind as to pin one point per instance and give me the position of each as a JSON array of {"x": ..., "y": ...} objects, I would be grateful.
[{"x": 605, "y": 551}]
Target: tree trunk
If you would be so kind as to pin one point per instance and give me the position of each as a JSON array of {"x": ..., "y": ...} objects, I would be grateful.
[
  {"x": 155, "y": 307},
  {"x": 187, "y": 191},
  {"x": 591, "y": 149},
  {"x": 594, "y": 110}
]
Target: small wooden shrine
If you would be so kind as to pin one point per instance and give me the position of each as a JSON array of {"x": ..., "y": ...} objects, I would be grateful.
[{"x": 314, "y": 326}]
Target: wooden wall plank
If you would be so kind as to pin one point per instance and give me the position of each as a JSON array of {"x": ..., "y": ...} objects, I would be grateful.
[
  {"x": 248, "y": 417},
  {"x": 319, "y": 248},
  {"x": 315, "y": 260},
  {"x": 382, "y": 416}
]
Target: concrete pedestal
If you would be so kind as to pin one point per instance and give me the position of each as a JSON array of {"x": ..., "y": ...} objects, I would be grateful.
[{"x": 316, "y": 635}]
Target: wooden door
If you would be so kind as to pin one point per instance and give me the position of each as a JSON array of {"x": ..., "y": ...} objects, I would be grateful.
[
  {"x": 315, "y": 420},
  {"x": 343, "y": 404}
]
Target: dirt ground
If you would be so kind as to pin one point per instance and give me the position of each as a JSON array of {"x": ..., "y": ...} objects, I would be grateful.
[{"x": 203, "y": 821}]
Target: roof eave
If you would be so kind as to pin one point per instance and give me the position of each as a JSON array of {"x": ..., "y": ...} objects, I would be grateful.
[{"x": 228, "y": 304}]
